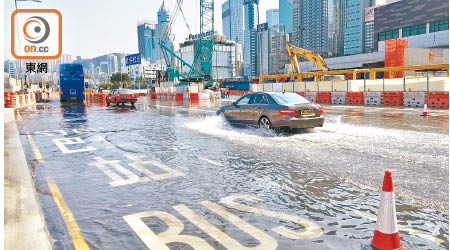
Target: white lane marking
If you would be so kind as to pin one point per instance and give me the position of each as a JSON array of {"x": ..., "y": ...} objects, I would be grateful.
[
  {"x": 312, "y": 230},
  {"x": 108, "y": 168},
  {"x": 139, "y": 164},
  {"x": 405, "y": 229},
  {"x": 266, "y": 241},
  {"x": 211, "y": 161},
  {"x": 171, "y": 235},
  {"x": 287, "y": 188},
  {"x": 71, "y": 141}
]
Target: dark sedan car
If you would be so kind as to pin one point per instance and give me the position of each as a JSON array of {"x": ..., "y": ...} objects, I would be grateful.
[{"x": 273, "y": 110}]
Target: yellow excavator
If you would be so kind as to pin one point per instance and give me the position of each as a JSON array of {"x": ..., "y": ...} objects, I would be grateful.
[
  {"x": 306, "y": 54},
  {"x": 310, "y": 56}
]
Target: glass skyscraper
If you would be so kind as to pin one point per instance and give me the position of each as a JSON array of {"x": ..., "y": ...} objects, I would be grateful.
[
  {"x": 161, "y": 31},
  {"x": 250, "y": 19},
  {"x": 354, "y": 28},
  {"x": 272, "y": 18},
  {"x": 147, "y": 41},
  {"x": 313, "y": 21},
  {"x": 285, "y": 15},
  {"x": 232, "y": 21}
]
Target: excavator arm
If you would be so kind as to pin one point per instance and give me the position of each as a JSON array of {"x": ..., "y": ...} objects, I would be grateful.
[{"x": 306, "y": 54}]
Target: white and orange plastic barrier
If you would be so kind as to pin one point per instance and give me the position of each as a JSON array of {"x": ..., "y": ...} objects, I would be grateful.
[{"x": 386, "y": 235}]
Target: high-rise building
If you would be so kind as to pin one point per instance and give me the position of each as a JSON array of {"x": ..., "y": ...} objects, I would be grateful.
[
  {"x": 250, "y": 20},
  {"x": 278, "y": 58},
  {"x": 369, "y": 29},
  {"x": 232, "y": 21},
  {"x": 313, "y": 23},
  {"x": 113, "y": 65},
  {"x": 147, "y": 41},
  {"x": 263, "y": 38},
  {"x": 10, "y": 68},
  {"x": 272, "y": 18},
  {"x": 285, "y": 15},
  {"x": 162, "y": 32},
  {"x": 354, "y": 28}
]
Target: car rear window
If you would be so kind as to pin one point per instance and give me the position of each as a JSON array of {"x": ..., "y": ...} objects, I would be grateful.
[
  {"x": 289, "y": 98},
  {"x": 125, "y": 91}
]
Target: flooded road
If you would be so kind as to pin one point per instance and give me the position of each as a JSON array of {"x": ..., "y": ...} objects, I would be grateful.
[{"x": 176, "y": 175}]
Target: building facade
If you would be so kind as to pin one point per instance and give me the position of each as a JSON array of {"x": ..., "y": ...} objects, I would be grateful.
[
  {"x": 161, "y": 32},
  {"x": 263, "y": 41},
  {"x": 232, "y": 20},
  {"x": 369, "y": 30},
  {"x": 313, "y": 22},
  {"x": 147, "y": 41},
  {"x": 227, "y": 57},
  {"x": 278, "y": 57},
  {"x": 272, "y": 18},
  {"x": 354, "y": 26},
  {"x": 285, "y": 15},
  {"x": 424, "y": 24},
  {"x": 250, "y": 20}
]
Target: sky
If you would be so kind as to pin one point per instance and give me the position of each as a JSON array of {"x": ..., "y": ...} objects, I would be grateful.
[{"x": 97, "y": 27}]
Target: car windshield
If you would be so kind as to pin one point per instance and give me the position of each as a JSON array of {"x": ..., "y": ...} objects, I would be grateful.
[
  {"x": 289, "y": 98},
  {"x": 125, "y": 91}
]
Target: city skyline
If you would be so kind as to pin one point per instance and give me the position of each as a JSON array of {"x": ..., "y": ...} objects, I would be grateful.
[{"x": 86, "y": 19}]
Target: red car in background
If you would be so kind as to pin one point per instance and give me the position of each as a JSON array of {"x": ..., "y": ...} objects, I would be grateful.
[{"x": 121, "y": 96}]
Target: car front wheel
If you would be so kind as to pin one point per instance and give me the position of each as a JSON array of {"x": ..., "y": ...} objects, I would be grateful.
[{"x": 265, "y": 123}]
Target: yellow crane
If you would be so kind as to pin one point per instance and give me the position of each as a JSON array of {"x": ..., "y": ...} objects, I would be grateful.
[{"x": 306, "y": 54}]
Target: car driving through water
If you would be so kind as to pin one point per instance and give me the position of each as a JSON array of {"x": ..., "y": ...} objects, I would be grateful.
[{"x": 273, "y": 110}]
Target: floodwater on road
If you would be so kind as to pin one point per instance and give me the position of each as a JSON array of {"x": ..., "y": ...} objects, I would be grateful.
[{"x": 128, "y": 175}]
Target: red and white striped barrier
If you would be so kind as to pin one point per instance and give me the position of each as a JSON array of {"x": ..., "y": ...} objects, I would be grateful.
[{"x": 386, "y": 231}]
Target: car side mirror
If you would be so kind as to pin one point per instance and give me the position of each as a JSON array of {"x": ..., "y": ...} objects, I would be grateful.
[{"x": 234, "y": 103}]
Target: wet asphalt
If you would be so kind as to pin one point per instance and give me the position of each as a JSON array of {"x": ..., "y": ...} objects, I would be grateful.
[{"x": 171, "y": 157}]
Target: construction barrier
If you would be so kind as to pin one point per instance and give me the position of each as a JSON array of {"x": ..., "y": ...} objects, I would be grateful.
[
  {"x": 179, "y": 96},
  {"x": 194, "y": 97},
  {"x": 392, "y": 98},
  {"x": 10, "y": 100},
  {"x": 355, "y": 98},
  {"x": 437, "y": 100},
  {"x": 414, "y": 99},
  {"x": 21, "y": 100},
  {"x": 372, "y": 98},
  {"x": 338, "y": 97},
  {"x": 300, "y": 93},
  {"x": 323, "y": 97},
  {"x": 311, "y": 96},
  {"x": 152, "y": 95}
]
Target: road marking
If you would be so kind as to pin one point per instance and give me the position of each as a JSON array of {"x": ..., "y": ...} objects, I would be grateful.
[
  {"x": 71, "y": 224},
  {"x": 70, "y": 141},
  {"x": 405, "y": 229},
  {"x": 312, "y": 230},
  {"x": 265, "y": 240},
  {"x": 112, "y": 168},
  {"x": 211, "y": 161},
  {"x": 36, "y": 152},
  {"x": 171, "y": 235}
]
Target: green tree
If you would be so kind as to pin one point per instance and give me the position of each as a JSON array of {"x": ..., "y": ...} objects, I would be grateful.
[{"x": 121, "y": 77}]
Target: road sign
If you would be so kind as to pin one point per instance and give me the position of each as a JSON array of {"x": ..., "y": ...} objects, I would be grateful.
[{"x": 133, "y": 59}]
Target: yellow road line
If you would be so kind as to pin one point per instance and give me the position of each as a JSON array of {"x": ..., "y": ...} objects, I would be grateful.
[
  {"x": 35, "y": 148},
  {"x": 74, "y": 231}
]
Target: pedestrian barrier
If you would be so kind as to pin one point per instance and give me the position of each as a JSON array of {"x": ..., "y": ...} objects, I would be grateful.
[
  {"x": 414, "y": 99},
  {"x": 194, "y": 97},
  {"x": 10, "y": 100},
  {"x": 179, "y": 96},
  {"x": 338, "y": 97},
  {"x": 21, "y": 100},
  {"x": 372, "y": 98},
  {"x": 323, "y": 97},
  {"x": 152, "y": 95},
  {"x": 26, "y": 99},
  {"x": 437, "y": 100},
  {"x": 355, "y": 98},
  {"x": 392, "y": 98},
  {"x": 386, "y": 235},
  {"x": 311, "y": 96}
]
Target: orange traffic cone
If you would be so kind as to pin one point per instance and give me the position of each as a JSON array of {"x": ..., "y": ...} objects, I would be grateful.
[{"x": 386, "y": 231}]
